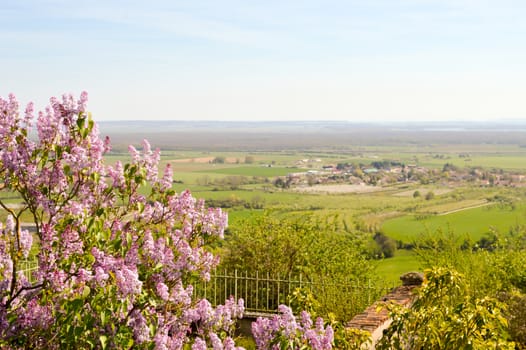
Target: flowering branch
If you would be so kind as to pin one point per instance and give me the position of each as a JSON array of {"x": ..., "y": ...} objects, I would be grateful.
[{"x": 114, "y": 264}]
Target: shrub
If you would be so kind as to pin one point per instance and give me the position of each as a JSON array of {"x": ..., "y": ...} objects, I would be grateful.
[
  {"x": 115, "y": 265},
  {"x": 386, "y": 246},
  {"x": 329, "y": 261},
  {"x": 445, "y": 316}
]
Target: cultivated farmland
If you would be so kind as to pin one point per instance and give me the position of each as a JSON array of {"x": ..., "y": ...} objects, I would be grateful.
[{"x": 239, "y": 166}]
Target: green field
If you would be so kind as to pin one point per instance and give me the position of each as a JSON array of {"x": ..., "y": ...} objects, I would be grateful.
[
  {"x": 471, "y": 222},
  {"x": 263, "y": 171},
  {"x": 390, "y": 269}
]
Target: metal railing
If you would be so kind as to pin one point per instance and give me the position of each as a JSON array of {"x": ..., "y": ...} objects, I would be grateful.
[
  {"x": 26, "y": 268},
  {"x": 263, "y": 293}
]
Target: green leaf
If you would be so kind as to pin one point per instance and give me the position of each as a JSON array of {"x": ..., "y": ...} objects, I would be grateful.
[
  {"x": 76, "y": 304},
  {"x": 152, "y": 302},
  {"x": 129, "y": 239},
  {"x": 80, "y": 122},
  {"x": 103, "y": 341},
  {"x": 86, "y": 292},
  {"x": 158, "y": 266}
]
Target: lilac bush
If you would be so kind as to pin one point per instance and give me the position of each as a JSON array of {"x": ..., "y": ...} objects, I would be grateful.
[
  {"x": 283, "y": 331},
  {"x": 117, "y": 248}
]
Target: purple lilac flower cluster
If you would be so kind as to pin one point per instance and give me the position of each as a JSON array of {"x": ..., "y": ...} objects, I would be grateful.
[
  {"x": 284, "y": 331},
  {"x": 114, "y": 263}
]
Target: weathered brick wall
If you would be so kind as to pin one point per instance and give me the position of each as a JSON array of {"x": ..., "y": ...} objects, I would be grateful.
[{"x": 375, "y": 321}]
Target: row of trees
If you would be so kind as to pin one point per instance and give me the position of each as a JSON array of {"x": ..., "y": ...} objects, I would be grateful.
[
  {"x": 230, "y": 182},
  {"x": 223, "y": 160}
]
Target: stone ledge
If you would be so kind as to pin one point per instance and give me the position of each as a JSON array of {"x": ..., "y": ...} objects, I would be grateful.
[{"x": 375, "y": 321}]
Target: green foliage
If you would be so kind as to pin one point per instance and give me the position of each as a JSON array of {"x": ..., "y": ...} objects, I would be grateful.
[
  {"x": 449, "y": 167},
  {"x": 446, "y": 316},
  {"x": 497, "y": 272},
  {"x": 489, "y": 270},
  {"x": 385, "y": 247},
  {"x": 265, "y": 243},
  {"x": 280, "y": 182},
  {"x": 254, "y": 170},
  {"x": 289, "y": 246},
  {"x": 344, "y": 337},
  {"x": 350, "y": 338},
  {"x": 430, "y": 195},
  {"x": 517, "y": 317}
]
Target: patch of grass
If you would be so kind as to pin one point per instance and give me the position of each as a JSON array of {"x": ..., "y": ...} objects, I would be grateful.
[
  {"x": 456, "y": 205},
  {"x": 472, "y": 222},
  {"x": 390, "y": 269}
]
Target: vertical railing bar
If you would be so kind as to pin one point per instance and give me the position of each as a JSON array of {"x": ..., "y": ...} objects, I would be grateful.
[
  {"x": 278, "y": 294},
  {"x": 268, "y": 277},
  {"x": 215, "y": 287},
  {"x": 223, "y": 297},
  {"x": 245, "y": 294},
  {"x": 288, "y": 299},
  {"x": 257, "y": 290},
  {"x": 235, "y": 285}
]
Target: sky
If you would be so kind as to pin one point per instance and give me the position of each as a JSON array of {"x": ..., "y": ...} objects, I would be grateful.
[{"x": 259, "y": 60}]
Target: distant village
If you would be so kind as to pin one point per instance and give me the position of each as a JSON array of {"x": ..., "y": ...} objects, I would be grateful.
[{"x": 384, "y": 173}]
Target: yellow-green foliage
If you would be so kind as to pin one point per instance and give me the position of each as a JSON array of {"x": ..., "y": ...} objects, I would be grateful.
[{"x": 446, "y": 316}]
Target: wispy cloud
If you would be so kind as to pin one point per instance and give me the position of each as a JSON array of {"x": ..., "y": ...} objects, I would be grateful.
[
  {"x": 305, "y": 26},
  {"x": 274, "y": 54}
]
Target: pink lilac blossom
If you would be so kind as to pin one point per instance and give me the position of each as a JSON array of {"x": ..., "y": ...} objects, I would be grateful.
[
  {"x": 162, "y": 291},
  {"x": 34, "y": 315},
  {"x": 116, "y": 173},
  {"x": 26, "y": 242},
  {"x": 134, "y": 255},
  {"x": 141, "y": 331},
  {"x": 166, "y": 181},
  {"x": 10, "y": 224},
  {"x": 199, "y": 344},
  {"x": 217, "y": 344},
  {"x": 267, "y": 332}
]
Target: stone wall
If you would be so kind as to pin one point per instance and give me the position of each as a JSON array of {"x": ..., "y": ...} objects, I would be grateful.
[{"x": 375, "y": 321}]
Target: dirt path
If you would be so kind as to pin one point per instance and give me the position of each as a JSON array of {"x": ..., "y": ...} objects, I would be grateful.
[{"x": 465, "y": 208}]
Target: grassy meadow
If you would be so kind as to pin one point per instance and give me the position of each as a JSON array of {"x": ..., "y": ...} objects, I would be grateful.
[{"x": 473, "y": 223}]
